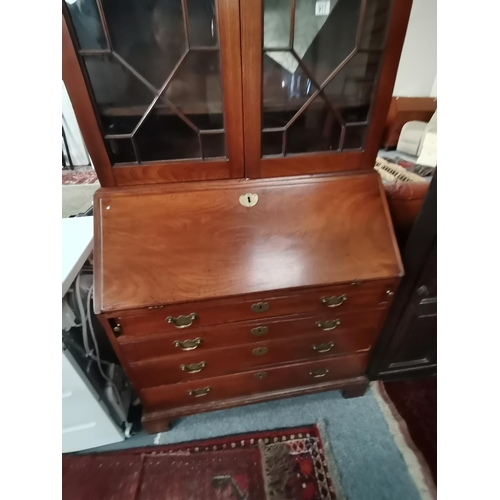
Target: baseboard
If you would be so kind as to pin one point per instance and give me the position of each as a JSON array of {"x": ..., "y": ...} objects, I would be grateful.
[{"x": 408, "y": 373}]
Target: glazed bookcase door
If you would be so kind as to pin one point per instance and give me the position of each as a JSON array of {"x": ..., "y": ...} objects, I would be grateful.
[
  {"x": 157, "y": 87},
  {"x": 318, "y": 76}
]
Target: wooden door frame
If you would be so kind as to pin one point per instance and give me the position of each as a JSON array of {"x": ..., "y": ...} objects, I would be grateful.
[
  {"x": 418, "y": 248},
  {"x": 312, "y": 163},
  {"x": 228, "y": 18}
]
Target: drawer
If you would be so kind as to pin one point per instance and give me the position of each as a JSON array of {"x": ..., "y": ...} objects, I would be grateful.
[
  {"x": 338, "y": 298},
  {"x": 244, "y": 332},
  {"x": 214, "y": 362},
  {"x": 254, "y": 382}
]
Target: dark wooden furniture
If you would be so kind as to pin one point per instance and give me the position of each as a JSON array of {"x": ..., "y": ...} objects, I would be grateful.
[
  {"x": 403, "y": 110},
  {"x": 221, "y": 304},
  {"x": 172, "y": 90},
  {"x": 407, "y": 345},
  {"x": 255, "y": 279}
]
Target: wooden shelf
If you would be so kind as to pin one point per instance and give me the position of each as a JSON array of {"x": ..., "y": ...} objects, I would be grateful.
[
  {"x": 188, "y": 109},
  {"x": 192, "y": 108}
]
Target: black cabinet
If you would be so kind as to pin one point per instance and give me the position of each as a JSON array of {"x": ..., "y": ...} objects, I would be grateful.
[{"x": 407, "y": 345}]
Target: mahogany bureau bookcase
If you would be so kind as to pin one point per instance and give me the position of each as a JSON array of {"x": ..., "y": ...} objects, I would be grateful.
[{"x": 243, "y": 246}]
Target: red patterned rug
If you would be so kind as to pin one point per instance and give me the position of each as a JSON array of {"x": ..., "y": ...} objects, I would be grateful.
[
  {"x": 416, "y": 403},
  {"x": 288, "y": 464},
  {"x": 78, "y": 177}
]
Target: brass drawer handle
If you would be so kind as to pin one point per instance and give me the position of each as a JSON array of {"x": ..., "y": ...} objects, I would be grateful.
[
  {"x": 260, "y": 375},
  {"x": 258, "y": 331},
  {"x": 260, "y": 307},
  {"x": 259, "y": 351},
  {"x": 327, "y": 346},
  {"x": 196, "y": 393},
  {"x": 326, "y": 326},
  {"x": 188, "y": 345},
  {"x": 117, "y": 328},
  {"x": 320, "y": 372},
  {"x": 193, "y": 367},
  {"x": 182, "y": 321},
  {"x": 334, "y": 300}
]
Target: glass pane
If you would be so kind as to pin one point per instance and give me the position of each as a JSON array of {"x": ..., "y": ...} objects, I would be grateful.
[
  {"x": 354, "y": 137},
  {"x": 352, "y": 88},
  {"x": 375, "y": 24},
  {"x": 272, "y": 143},
  {"x": 164, "y": 136},
  {"x": 87, "y": 23},
  {"x": 284, "y": 91},
  {"x": 150, "y": 36},
  {"x": 196, "y": 89},
  {"x": 323, "y": 42},
  {"x": 214, "y": 145},
  {"x": 121, "y": 98},
  {"x": 201, "y": 23},
  {"x": 121, "y": 151},
  {"x": 150, "y": 53},
  {"x": 277, "y": 23},
  {"x": 317, "y": 129}
]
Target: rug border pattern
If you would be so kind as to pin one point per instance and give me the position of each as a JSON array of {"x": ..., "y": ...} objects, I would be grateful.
[{"x": 418, "y": 469}]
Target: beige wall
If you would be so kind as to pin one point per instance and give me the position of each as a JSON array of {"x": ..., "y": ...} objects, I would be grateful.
[{"x": 418, "y": 65}]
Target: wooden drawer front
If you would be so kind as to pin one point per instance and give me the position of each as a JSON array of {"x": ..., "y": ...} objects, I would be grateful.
[
  {"x": 198, "y": 365},
  {"x": 220, "y": 336},
  {"x": 255, "y": 381},
  {"x": 350, "y": 297}
]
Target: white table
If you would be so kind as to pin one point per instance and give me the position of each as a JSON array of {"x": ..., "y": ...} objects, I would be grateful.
[
  {"x": 77, "y": 243},
  {"x": 86, "y": 422}
]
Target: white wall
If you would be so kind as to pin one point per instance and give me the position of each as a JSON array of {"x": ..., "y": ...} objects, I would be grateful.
[
  {"x": 434, "y": 90},
  {"x": 418, "y": 65},
  {"x": 73, "y": 135}
]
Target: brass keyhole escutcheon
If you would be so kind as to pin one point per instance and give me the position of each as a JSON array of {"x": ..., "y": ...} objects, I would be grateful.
[
  {"x": 259, "y": 351},
  {"x": 249, "y": 199},
  {"x": 260, "y": 375},
  {"x": 260, "y": 307},
  {"x": 259, "y": 331}
]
